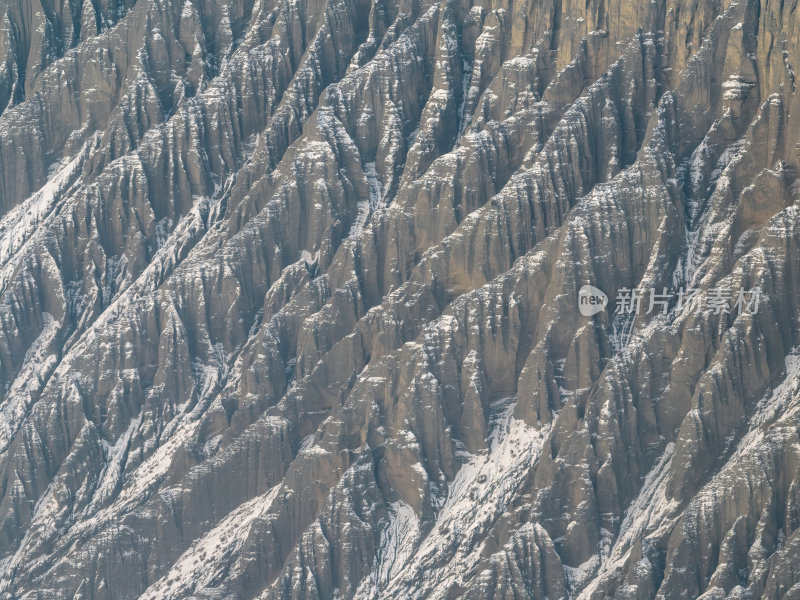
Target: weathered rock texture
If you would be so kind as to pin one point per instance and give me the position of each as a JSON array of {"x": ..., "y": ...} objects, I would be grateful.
[{"x": 288, "y": 299}]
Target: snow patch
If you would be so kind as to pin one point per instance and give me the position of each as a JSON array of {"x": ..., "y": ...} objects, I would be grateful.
[
  {"x": 649, "y": 513},
  {"x": 478, "y": 495},
  {"x": 19, "y": 225},
  {"x": 397, "y": 541},
  {"x": 38, "y": 363},
  {"x": 209, "y": 559}
]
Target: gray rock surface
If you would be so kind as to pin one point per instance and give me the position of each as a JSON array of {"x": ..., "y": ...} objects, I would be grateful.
[{"x": 288, "y": 299}]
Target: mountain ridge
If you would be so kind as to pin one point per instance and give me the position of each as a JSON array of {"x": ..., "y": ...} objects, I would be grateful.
[{"x": 288, "y": 299}]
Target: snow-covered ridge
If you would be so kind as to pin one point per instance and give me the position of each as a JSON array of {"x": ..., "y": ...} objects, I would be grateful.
[
  {"x": 480, "y": 493},
  {"x": 21, "y": 222},
  {"x": 208, "y": 561}
]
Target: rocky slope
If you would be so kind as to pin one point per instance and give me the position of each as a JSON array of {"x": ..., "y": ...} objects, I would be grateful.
[{"x": 288, "y": 299}]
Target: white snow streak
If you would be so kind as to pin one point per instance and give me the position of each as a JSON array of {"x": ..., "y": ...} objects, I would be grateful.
[
  {"x": 479, "y": 494},
  {"x": 209, "y": 558},
  {"x": 21, "y": 222}
]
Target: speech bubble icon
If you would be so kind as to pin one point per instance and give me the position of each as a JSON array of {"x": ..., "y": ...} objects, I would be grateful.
[{"x": 591, "y": 300}]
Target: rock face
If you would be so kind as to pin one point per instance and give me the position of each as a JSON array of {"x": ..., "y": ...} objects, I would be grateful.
[{"x": 288, "y": 299}]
